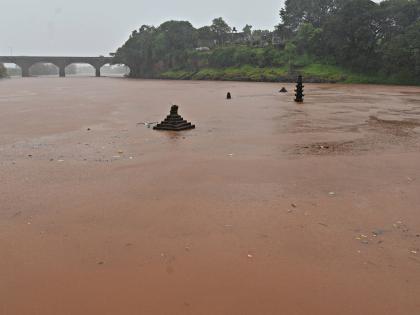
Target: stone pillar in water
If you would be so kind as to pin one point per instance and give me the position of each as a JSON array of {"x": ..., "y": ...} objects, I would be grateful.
[{"x": 174, "y": 122}]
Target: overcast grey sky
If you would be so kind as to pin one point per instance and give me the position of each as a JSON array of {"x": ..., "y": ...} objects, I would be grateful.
[{"x": 95, "y": 27}]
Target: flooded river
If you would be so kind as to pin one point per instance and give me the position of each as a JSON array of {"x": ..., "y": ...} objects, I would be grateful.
[{"x": 267, "y": 207}]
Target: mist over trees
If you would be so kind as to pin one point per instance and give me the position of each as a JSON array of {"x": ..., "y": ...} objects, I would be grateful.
[
  {"x": 3, "y": 72},
  {"x": 43, "y": 69},
  {"x": 380, "y": 39}
]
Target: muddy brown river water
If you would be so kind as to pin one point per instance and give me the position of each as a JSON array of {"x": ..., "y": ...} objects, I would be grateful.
[{"x": 267, "y": 207}]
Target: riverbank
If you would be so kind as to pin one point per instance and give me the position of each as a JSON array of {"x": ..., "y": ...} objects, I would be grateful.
[{"x": 313, "y": 73}]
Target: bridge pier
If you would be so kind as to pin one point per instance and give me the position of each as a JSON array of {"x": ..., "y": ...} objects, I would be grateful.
[
  {"x": 25, "y": 71},
  {"x": 24, "y": 67},
  {"x": 62, "y": 71},
  {"x": 98, "y": 71}
]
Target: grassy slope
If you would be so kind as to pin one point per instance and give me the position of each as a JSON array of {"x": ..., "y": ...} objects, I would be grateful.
[
  {"x": 312, "y": 69},
  {"x": 337, "y": 74},
  {"x": 244, "y": 73},
  {"x": 315, "y": 72}
]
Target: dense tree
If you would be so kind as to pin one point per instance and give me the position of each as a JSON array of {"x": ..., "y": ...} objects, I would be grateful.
[
  {"x": 178, "y": 35},
  {"x": 247, "y": 30},
  {"x": 351, "y": 35},
  {"x": 397, "y": 15},
  {"x": 291, "y": 54},
  {"x": 401, "y": 56},
  {"x": 153, "y": 49},
  {"x": 360, "y": 35},
  {"x": 172, "y": 41},
  {"x": 221, "y": 29},
  {"x": 315, "y": 12},
  {"x": 307, "y": 39},
  {"x": 136, "y": 53}
]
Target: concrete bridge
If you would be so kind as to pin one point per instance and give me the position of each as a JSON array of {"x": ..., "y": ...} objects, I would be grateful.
[{"x": 26, "y": 62}]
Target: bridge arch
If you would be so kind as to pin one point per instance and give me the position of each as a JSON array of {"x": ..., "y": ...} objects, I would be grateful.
[
  {"x": 84, "y": 68},
  {"x": 110, "y": 69},
  {"x": 43, "y": 68},
  {"x": 13, "y": 69},
  {"x": 26, "y": 62}
]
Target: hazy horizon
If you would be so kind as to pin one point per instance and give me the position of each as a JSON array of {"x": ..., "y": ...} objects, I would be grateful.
[{"x": 34, "y": 27}]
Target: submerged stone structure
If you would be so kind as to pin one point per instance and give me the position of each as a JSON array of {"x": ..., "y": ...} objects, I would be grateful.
[
  {"x": 174, "y": 122},
  {"x": 299, "y": 90}
]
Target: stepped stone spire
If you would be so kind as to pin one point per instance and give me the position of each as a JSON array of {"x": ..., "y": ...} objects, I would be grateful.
[
  {"x": 174, "y": 122},
  {"x": 299, "y": 90}
]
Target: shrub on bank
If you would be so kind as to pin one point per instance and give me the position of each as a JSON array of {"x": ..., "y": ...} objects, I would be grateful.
[
  {"x": 315, "y": 73},
  {"x": 3, "y": 71},
  {"x": 244, "y": 73}
]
